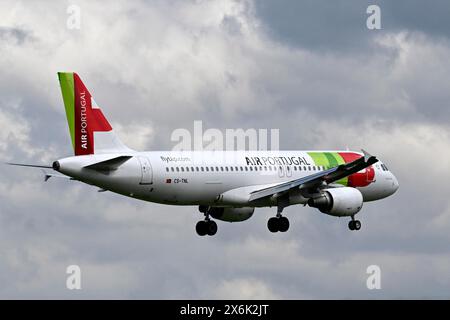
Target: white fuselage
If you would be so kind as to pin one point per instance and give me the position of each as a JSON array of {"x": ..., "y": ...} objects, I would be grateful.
[{"x": 208, "y": 177}]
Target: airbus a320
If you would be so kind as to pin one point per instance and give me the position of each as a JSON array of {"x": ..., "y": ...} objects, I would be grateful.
[{"x": 225, "y": 185}]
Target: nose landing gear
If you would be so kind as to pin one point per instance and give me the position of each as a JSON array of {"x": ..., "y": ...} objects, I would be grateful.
[{"x": 354, "y": 224}]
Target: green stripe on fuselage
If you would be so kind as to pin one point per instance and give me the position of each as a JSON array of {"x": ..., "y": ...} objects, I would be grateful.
[
  {"x": 340, "y": 160},
  {"x": 68, "y": 93},
  {"x": 319, "y": 159},
  {"x": 329, "y": 160},
  {"x": 332, "y": 161}
]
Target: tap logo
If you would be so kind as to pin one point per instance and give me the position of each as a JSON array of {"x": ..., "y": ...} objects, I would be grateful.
[
  {"x": 88, "y": 119},
  {"x": 83, "y": 120}
]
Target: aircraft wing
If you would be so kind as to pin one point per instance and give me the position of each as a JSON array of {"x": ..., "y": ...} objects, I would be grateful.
[{"x": 317, "y": 179}]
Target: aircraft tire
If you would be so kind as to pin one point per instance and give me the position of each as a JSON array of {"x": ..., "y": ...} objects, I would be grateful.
[
  {"x": 273, "y": 224},
  {"x": 202, "y": 228}
]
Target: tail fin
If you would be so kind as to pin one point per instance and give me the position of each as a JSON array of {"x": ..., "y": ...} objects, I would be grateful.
[{"x": 90, "y": 131}]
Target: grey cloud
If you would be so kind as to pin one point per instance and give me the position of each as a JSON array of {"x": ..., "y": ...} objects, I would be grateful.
[
  {"x": 341, "y": 25},
  {"x": 17, "y": 35}
]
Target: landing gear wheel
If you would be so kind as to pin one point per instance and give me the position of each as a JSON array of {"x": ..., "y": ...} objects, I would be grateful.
[
  {"x": 273, "y": 225},
  {"x": 211, "y": 227},
  {"x": 283, "y": 224},
  {"x": 351, "y": 225},
  {"x": 206, "y": 227},
  {"x": 202, "y": 228},
  {"x": 354, "y": 225}
]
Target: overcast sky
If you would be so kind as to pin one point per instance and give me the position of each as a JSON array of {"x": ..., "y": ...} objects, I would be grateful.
[{"x": 309, "y": 68}]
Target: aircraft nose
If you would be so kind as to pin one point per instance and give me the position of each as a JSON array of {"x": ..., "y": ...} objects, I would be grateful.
[{"x": 395, "y": 184}]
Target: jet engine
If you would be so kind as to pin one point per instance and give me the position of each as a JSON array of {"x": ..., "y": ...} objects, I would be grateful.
[
  {"x": 231, "y": 214},
  {"x": 338, "y": 202}
]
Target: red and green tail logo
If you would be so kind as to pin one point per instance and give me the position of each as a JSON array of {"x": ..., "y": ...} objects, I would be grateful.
[{"x": 83, "y": 114}]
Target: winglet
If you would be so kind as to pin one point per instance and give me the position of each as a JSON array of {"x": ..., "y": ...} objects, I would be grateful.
[{"x": 368, "y": 157}]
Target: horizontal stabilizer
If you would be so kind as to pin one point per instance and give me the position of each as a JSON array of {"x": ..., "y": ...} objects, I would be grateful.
[
  {"x": 29, "y": 165},
  {"x": 51, "y": 175},
  {"x": 110, "y": 164}
]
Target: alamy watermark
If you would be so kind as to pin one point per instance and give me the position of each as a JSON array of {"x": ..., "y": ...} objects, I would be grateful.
[
  {"x": 373, "y": 22},
  {"x": 73, "y": 281},
  {"x": 74, "y": 18},
  {"x": 218, "y": 141},
  {"x": 232, "y": 140},
  {"x": 374, "y": 279}
]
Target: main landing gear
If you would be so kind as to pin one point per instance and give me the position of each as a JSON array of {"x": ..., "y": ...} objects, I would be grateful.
[
  {"x": 278, "y": 223},
  {"x": 207, "y": 226},
  {"x": 354, "y": 224}
]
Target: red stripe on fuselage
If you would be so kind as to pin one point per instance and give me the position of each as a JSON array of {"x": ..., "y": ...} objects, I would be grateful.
[
  {"x": 359, "y": 179},
  {"x": 87, "y": 120}
]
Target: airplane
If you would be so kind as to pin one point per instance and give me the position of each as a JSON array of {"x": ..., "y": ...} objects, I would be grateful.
[{"x": 225, "y": 185}]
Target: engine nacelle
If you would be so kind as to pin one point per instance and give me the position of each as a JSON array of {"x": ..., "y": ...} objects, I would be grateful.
[
  {"x": 338, "y": 202},
  {"x": 231, "y": 214}
]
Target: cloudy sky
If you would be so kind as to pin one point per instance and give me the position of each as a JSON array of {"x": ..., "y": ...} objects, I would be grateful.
[{"x": 309, "y": 68}]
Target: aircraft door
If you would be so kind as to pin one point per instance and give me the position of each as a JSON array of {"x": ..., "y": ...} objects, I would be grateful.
[
  {"x": 146, "y": 171},
  {"x": 288, "y": 171},
  {"x": 280, "y": 171}
]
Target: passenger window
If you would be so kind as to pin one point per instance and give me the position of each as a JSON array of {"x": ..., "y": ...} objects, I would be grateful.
[
  {"x": 246, "y": 168},
  {"x": 242, "y": 169},
  {"x": 182, "y": 169},
  {"x": 178, "y": 169},
  {"x": 171, "y": 169},
  {"x": 203, "y": 169},
  {"x": 192, "y": 169},
  {"x": 196, "y": 168},
  {"x": 251, "y": 168},
  {"x": 221, "y": 168},
  {"x": 187, "y": 169},
  {"x": 226, "y": 168},
  {"x": 212, "y": 168},
  {"x": 207, "y": 169},
  {"x": 217, "y": 168},
  {"x": 231, "y": 168}
]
